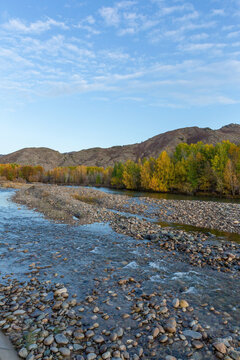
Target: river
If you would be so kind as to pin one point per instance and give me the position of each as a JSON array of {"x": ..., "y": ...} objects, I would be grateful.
[{"x": 79, "y": 254}]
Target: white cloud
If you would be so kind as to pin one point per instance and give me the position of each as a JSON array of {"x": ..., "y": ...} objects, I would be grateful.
[
  {"x": 191, "y": 16},
  {"x": 16, "y": 25},
  {"x": 87, "y": 24},
  {"x": 127, "y": 31},
  {"x": 178, "y": 8},
  {"x": 50, "y": 64},
  {"x": 198, "y": 37},
  {"x": 218, "y": 12},
  {"x": 201, "y": 46},
  {"x": 233, "y": 34},
  {"x": 116, "y": 55},
  {"x": 110, "y": 16},
  {"x": 125, "y": 4}
]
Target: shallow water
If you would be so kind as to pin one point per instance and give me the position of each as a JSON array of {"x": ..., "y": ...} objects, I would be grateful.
[
  {"x": 166, "y": 196},
  {"x": 82, "y": 253},
  {"x": 220, "y": 235}
]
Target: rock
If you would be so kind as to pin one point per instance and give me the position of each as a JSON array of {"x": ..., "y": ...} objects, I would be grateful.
[
  {"x": 30, "y": 357},
  {"x": 192, "y": 334},
  {"x": 170, "y": 357},
  {"x": 106, "y": 355},
  {"x": 197, "y": 344},
  {"x": 60, "y": 291},
  {"x": 61, "y": 339},
  {"x": 98, "y": 339},
  {"x": 65, "y": 351},
  {"x": 176, "y": 303},
  {"x": 19, "y": 312},
  {"x": 155, "y": 332},
  {"x": 171, "y": 325},
  {"x": 220, "y": 347},
  {"x": 235, "y": 355},
  {"x": 23, "y": 353},
  {"x": 78, "y": 335},
  {"x": 163, "y": 310},
  {"x": 49, "y": 340},
  {"x": 113, "y": 336},
  {"x": 183, "y": 304},
  {"x": 77, "y": 347},
  {"x": 120, "y": 332},
  {"x": 163, "y": 338},
  {"x": 91, "y": 356},
  {"x": 90, "y": 334}
]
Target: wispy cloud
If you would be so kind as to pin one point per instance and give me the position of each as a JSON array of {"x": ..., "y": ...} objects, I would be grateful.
[
  {"x": 173, "y": 56},
  {"x": 110, "y": 15},
  {"x": 17, "y": 25},
  {"x": 88, "y": 24},
  {"x": 218, "y": 12}
]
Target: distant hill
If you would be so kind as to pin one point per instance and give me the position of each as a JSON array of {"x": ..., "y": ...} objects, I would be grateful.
[{"x": 49, "y": 158}]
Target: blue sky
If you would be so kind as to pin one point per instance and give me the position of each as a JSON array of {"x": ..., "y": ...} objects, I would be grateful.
[{"x": 76, "y": 74}]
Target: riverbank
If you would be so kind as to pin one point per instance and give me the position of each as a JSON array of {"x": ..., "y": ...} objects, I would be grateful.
[
  {"x": 44, "y": 321},
  {"x": 213, "y": 215}
]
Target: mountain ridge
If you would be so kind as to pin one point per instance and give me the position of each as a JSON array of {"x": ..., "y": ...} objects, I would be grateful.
[{"x": 98, "y": 156}]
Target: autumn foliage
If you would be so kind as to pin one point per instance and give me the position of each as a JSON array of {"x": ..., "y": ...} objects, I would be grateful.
[{"x": 190, "y": 169}]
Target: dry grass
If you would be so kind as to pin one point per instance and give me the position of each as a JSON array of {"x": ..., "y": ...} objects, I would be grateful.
[
  {"x": 13, "y": 185},
  {"x": 87, "y": 199}
]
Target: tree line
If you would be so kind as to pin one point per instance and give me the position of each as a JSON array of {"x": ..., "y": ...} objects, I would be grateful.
[{"x": 190, "y": 168}]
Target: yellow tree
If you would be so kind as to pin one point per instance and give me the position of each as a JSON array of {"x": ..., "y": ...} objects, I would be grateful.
[
  {"x": 163, "y": 175},
  {"x": 147, "y": 170},
  {"x": 131, "y": 175},
  {"x": 230, "y": 178}
]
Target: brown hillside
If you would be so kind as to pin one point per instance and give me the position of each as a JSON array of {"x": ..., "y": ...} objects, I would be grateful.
[{"x": 104, "y": 157}]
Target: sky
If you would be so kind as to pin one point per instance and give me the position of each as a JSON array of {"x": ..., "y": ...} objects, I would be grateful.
[{"x": 76, "y": 74}]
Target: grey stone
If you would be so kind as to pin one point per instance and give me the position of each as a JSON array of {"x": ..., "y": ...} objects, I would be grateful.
[
  {"x": 61, "y": 339},
  {"x": 192, "y": 334}
]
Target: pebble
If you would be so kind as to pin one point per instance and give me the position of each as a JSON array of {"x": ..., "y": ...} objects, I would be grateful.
[
  {"x": 183, "y": 304},
  {"x": 192, "y": 334},
  {"x": 176, "y": 303},
  {"x": 220, "y": 347},
  {"x": 23, "y": 353},
  {"x": 61, "y": 339},
  {"x": 60, "y": 291},
  {"x": 171, "y": 325},
  {"x": 49, "y": 340},
  {"x": 65, "y": 351},
  {"x": 91, "y": 356}
]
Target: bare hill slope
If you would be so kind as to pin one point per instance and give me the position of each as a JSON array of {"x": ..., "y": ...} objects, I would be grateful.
[{"x": 104, "y": 157}]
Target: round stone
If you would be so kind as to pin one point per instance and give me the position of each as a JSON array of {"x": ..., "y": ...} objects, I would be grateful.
[
  {"x": 91, "y": 356},
  {"x": 65, "y": 351},
  {"x": 61, "y": 339},
  {"x": 49, "y": 340},
  {"x": 23, "y": 353}
]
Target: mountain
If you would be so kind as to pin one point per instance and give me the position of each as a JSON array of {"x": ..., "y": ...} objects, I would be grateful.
[{"x": 49, "y": 158}]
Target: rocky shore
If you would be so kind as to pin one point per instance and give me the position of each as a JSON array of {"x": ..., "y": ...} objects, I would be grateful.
[
  {"x": 61, "y": 203},
  {"x": 123, "y": 317},
  {"x": 44, "y": 322},
  {"x": 85, "y": 206}
]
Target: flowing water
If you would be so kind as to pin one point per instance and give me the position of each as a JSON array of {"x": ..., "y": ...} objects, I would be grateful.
[{"x": 78, "y": 254}]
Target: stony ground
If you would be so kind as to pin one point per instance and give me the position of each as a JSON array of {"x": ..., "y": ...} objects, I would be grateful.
[{"x": 44, "y": 320}]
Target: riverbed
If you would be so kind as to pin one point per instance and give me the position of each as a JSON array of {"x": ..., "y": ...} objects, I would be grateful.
[{"x": 94, "y": 257}]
